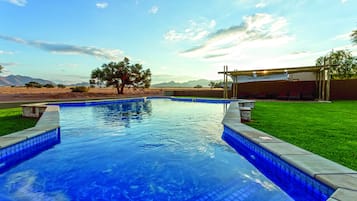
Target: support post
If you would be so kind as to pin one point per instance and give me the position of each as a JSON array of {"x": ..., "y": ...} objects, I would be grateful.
[
  {"x": 323, "y": 95},
  {"x": 324, "y": 81},
  {"x": 328, "y": 83},
  {"x": 236, "y": 90},
  {"x": 317, "y": 84},
  {"x": 320, "y": 84},
  {"x": 233, "y": 90},
  {"x": 224, "y": 78},
  {"x": 226, "y": 82},
  {"x": 235, "y": 87}
]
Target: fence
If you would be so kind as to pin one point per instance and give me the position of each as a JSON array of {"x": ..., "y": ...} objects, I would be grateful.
[{"x": 288, "y": 90}]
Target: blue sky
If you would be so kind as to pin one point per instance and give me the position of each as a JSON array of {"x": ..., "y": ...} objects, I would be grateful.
[{"x": 64, "y": 41}]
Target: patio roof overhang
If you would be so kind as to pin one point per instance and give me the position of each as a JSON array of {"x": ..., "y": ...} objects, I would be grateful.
[
  {"x": 322, "y": 77},
  {"x": 262, "y": 72}
]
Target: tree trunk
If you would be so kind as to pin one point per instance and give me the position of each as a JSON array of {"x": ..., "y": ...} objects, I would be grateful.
[
  {"x": 117, "y": 86},
  {"x": 122, "y": 88}
]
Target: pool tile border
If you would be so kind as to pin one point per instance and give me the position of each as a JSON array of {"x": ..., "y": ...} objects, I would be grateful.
[
  {"x": 342, "y": 179},
  {"x": 19, "y": 146},
  {"x": 49, "y": 121}
]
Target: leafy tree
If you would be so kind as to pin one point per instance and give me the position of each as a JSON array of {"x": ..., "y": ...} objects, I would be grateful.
[
  {"x": 354, "y": 36},
  {"x": 97, "y": 77},
  {"x": 61, "y": 86},
  {"x": 212, "y": 84},
  {"x": 1, "y": 68},
  {"x": 49, "y": 85},
  {"x": 219, "y": 84},
  {"x": 121, "y": 74},
  {"x": 345, "y": 64},
  {"x": 33, "y": 85},
  {"x": 198, "y": 86},
  {"x": 92, "y": 83},
  {"x": 80, "y": 89}
]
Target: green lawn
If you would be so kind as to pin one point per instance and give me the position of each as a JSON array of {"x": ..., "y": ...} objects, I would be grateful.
[
  {"x": 327, "y": 129},
  {"x": 12, "y": 121}
]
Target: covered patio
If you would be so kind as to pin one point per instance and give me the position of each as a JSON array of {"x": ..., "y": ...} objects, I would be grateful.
[{"x": 319, "y": 74}]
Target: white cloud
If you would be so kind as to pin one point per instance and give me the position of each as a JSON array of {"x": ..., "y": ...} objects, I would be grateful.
[
  {"x": 266, "y": 58},
  {"x": 173, "y": 35},
  {"x": 153, "y": 10},
  {"x": 345, "y": 36},
  {"x": 112, "y": 54},
  {"x": 18, "y": 2},
  {"x": 8, "y": 64},
  {"x": 102, "y": 5},
  {"x": 158, "y": 78},
  {"x": 64, "y": 78},
  {"x": 195, "y": 31},
  {"x": 212, "y": 24},
  {"x": 352, "y": 48},
  {"x": 256, "y": 31},
  {"x": 261, "y": 4},
  {"x": 260, "y": 40},
  {"x": 343, "y": 1},
  {"x": 73, "y": 65},
  {"x": 300, "y": 59},
  {"x": 6, "y": 52}
]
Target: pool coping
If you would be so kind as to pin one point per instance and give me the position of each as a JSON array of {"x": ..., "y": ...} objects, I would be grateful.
[
  {"x": 340, "y": 178},
  {"x": 49, "y": 121}
]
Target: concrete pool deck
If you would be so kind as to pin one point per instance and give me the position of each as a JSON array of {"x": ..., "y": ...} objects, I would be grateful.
[
  {"x": 48, "y": 121},
  {"x": 342, "y": 179}
]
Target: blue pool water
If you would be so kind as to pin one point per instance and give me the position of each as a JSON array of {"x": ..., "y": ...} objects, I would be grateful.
[{"x": 152, "y": 150}]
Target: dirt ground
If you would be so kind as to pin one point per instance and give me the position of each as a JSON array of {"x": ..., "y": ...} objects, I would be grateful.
[{"x": 23, "y": 94}]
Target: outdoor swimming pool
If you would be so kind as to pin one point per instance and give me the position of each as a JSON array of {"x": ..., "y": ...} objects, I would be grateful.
[
  {"x": 153, "y": 150},
  {"x": 141, "y": 150}
]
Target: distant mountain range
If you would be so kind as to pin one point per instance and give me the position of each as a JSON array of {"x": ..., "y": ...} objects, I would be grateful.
[
  {"x": 19, "y": 80},
  {"x": 86, "y": 84},
  {"x": 173, "y": 84}
]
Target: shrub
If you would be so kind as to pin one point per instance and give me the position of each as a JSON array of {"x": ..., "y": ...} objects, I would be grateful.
[
  {"x": 33, "y": 84},
  {"x": 80, "y": 89},
  {"x": 197, "y": 86},
  {"x": 61, "y": 86},
  {"x": 49, "y": 86}
]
